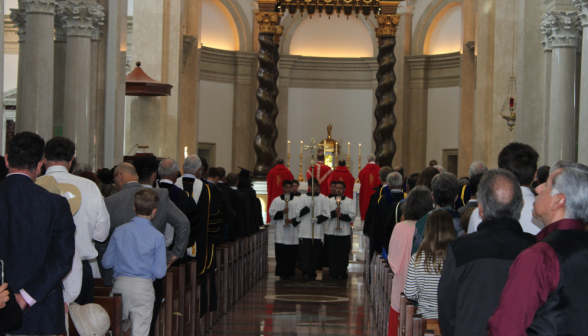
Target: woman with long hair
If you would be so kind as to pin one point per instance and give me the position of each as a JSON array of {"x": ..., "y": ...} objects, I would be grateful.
[
  {"x": 416, "y": 205},
  {"x": 424, "y": 269},
  {"x": 426, "y": 177}
]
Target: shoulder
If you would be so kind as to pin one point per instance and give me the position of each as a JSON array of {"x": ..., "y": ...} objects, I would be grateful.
[{"x": 162, "y": 192}]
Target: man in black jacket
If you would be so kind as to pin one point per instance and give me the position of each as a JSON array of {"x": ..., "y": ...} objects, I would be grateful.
[
  {"x": 240, "y": 203},
  {"x": 477, "y": 265},
  {"x": 371, "y": 217}
]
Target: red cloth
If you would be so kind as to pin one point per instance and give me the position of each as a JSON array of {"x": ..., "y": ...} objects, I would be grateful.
[
  {"x": 393, "y": 323},
  {"x": 321, "y": 172},
  {"x": 369, "y": 178},
  {"x": 343, "y": 174},
  {"x": 275, "y": 177},
  {"x": 533, "y": 276}
]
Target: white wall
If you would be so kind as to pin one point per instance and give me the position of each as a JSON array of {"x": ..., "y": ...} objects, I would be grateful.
[
  {"x": 447, "y": 34},
  {"x": 217, "y": 30},
  {"x": 10, "y": 71},
  {"x": 310, "y": 111},
  {"x": 10, "y": 4},
  {"x": 442, "y": 122},
  {"x": 130, "y": 7},
  {"x": 215, "y": 122},
  {"x": 337, "y": 37}
]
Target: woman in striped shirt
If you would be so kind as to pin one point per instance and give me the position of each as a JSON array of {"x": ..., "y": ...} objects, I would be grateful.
[{"x": 424, "y": 269}]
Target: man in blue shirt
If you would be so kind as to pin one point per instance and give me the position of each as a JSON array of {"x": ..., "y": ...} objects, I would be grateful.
[{"x": 136, "y": 253}]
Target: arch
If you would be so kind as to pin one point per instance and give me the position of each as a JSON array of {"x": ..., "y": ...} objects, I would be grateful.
[
  {"x": 291, "y": 24},
  {"x": 427, "y": 23},
  {"x": 240, "y": 26}
]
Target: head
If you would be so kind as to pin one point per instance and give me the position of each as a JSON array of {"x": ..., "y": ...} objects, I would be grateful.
[
  {"x": 193, "y": 165},
  {"x": 440, "y": 168},
  {"x": 232, "y": 179},
  {"x": 542, "y": 174},
  {"x": 394, "y": 180},
  {"x": 90, "y": 176},
  {"x": 25, "y": 154},
  {"x": 371, "y": 157},
  {"x": 146, "y": 167},
  {"x": 464, "y": 221},
  {"x": 280, "y": 160},
  {"x": 295, "y": 186},
  {"x": 287, "y": 186},
  {"x": 320, "y": 157},
  {"x": 399, "y": 170},
  {"x": 474, "y": 183},
  {"x": 340, "y": 188},
  {"x": 411, "y": 181},
  {"x": 222, "y": 174},
  {"x": 205, "y": 168},
  {"x": 445, "y": 189},
  {"x": 168, "y": 169},
  {"x": 342, "y": 163},
  {"x": 417, "y": 204},
  {"x": 384, "y": 171},
  {"x": 105, "y": 175},
  {"x": 564, "y": 195},
  {"x": 146, "y": 201},
  {"x": 123, "y": 174},
  {"x": 439, "y": 232},
  {"x": 521, "y": 160},
  {"x": 333, "y": 187},
  {"x": 426, "y": 177},
  {"x": 59, "y": 151},
  {"x": 317, "y": 186},
  {"x": 478, "y": 168},
  {"x": 499, "y": 196},
  {"x": 82, "y": 167},
  {"x": 213, "y": 175},
  {"x": 433, "y": 163}
]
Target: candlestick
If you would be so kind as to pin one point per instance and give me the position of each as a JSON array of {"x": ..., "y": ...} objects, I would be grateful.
[
  {"x": 288, "y": 154},
  {"x": 359, "y": 149},
  {"x": 348, "y": 157},
  {"x": 348, "y": 146},
  {"x": 358, "y": 166},
  {"x": 300, "y": 177},
  {"x": 301, "y": 147},
  {"x": 336, "y": 155}
]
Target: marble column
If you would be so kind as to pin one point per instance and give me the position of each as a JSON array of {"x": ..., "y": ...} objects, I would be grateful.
[
  {"x": 59, "y": 71},
  {"x": 242, "y": 100},
  {"x": 563, "y": 31},
  {"x": 582, "y": 6},
  {"x": 18, "y": 16},
  {"x": 37, "y": 107},
  {"x": 468, "y": 84},
  {"x": 79, "y": 18},
  {"x": 94, "y": 116}
]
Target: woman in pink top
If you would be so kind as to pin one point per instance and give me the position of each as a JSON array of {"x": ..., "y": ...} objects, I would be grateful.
[{"x": 418, "y": 203}]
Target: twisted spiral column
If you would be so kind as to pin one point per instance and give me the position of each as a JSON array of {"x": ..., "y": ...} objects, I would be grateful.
[
  {"x": 385, "y": 96},
  {"x": 276, "y": 91},
  {"x": 264, "y": 118}
]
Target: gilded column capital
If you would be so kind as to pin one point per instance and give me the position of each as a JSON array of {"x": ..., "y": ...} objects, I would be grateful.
[
  {"x": 582, "y": 7},
  {"x": 278, "y": 31},
  {"x": 19, "y": 18},
  {"x": 387, "y": 25},
  {"x": 40, "y": 6},
  {"x": 561, "y": 29},
  {"x": 267, "y": 21},
  {"x": 80, "y": 18}
]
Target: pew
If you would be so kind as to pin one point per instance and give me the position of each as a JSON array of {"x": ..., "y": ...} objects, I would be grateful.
[
  {"x": 192, "y": 302},
  {"x": 113, "y": 306},
  {"x": 163, "y": 326}
]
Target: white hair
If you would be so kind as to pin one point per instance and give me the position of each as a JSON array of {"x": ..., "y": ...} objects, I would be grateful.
[
  {"x": 371, "y": 157},
  {"x": 192, "y": 164},
  {"x": 394, "y": 180},
  {"x": 440, "y": 168},
  {"x": 573, "y": 183},
  {"x": 168, "y": 167},
  {"x": 478, "y": 168}
]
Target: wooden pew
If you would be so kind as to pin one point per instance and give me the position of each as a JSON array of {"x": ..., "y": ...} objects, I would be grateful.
[
  {"x": 178, "y": 299},
  {"x": 113, "y": 306},
  {"x": 406, "y": 312},
  {"x": 163, "y": 326},
  {"x": 192, "y": 302},
  {"x": 417, "y": 325}
]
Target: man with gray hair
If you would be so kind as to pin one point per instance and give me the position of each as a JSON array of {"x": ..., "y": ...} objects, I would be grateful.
[
  {"x": 477, "y": 265},
  {"x": 389, "y": 196},
  {"x": 477, "y": 168},
  {"x": 546, "y": 292}
]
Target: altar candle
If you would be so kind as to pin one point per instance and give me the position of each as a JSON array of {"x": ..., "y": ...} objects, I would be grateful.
[
  {"x": 348, "y": 146},
  {"x": 301, "y": 147},
  {"x": 359, "y": 149},
  {"x": 288, "y": 147}
]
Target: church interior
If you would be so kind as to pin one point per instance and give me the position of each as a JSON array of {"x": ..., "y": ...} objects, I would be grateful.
[{"x": 243, "y": 82}]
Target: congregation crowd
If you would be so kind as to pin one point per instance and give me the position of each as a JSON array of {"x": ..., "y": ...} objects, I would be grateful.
[{"x": 63, "y": 225}]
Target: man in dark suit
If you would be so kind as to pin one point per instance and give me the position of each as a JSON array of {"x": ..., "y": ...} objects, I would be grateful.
[
  {"x": 240, "y": 204},
  {"x": 227, "y": 207},
  {"x": 37, "y": 246}
]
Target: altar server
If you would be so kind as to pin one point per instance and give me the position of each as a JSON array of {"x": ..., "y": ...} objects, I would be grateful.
[
  {"x": 283, "y": 216},
  {"x": 275, "y": 177},
  {"x": 340, "y": 239},
  {"x": 309, "y": 249}
]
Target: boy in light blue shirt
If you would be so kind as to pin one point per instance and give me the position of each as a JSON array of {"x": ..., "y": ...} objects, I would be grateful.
[{"x": 136, "y": 253}]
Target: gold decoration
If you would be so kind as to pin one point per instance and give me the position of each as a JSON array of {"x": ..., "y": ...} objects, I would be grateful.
[
  {"x": 267, "y": 21},
  {"x": 278, "y": 31},
  {"x": 387, "y": 25}
]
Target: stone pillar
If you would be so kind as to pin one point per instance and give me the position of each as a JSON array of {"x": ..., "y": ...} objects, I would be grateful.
[
  {"x": 59, "y": 71},
  {"x": 468, "y": 84},
  {"x": 18, "y": 16},
  {"x": 37, "y": 107},
  {"x": 79, "y": 18},
  {"x": 562, "y": 30},
  {"x": 95, "y": 118},
  {"x": 582, "y": 6},
  {"x": 417, "y": 121},
  {"x": 242, "y": 120}
]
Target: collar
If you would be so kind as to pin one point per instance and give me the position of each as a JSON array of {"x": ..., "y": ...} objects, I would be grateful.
[
  {"x": 166, "y": 181},
  {"x": 291, "y": 197},
  {"x": 342, "y": 198},
  {"x": 504, "y": 224},
  {"x": 371, "y": 163},
  {"x": 562, "y": 224},
  {"x": 396, "y": 191},
  {"x": 331, "y": 196},
  {"x": 20, "y": 174},
  {"x": 189, "y": 176},
  {"x": 147, "y": 186},
  {"x": 221, "y": 182},
  {"x": 56, "y": 169},
  {"x": 342, "y": 169},
  {"x": 473, "y": 200},
  {"x": 297, "y": 194},
  {"x": 141, "y": 220},
  {"x": 315, "y": 195},
  {"x": 280, "y": 166},
  {"x": 234, "y": 188}
]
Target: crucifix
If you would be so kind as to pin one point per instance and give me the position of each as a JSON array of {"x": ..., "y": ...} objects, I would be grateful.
[{"x": 312, "y": 147}]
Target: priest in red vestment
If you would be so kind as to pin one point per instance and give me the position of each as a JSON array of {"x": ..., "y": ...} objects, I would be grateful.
[
  {"x": 342, "y": 174},
  {"x": 275, "y": 177},
  {"x": 321, "y": 172},
  {"x": 369, "y": 179}
]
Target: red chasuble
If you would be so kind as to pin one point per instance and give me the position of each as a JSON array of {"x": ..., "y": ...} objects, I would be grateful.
[
  {"x": 321, "y": 172},
  {"x": 343, "y": 174},
  {"x": 275, "y": 177},
  {"x": 369, "y": 178}
]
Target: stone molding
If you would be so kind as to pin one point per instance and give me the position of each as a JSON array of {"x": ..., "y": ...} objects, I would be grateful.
[
  {"x": 582, "y": 7},
  {"x": 80, "y": 18},
  {"x": 39, "y": 6},
  {"x": 18, "y": 17},
  {"x": 224, "y": 66},
  {"x": 561, "y": 29},
  {"x": 435, "y": 71},
  {"x": 243, "y": 26},
  {"x": 432, "y": 14}
]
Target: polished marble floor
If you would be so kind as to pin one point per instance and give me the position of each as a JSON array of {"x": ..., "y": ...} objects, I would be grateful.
[{"x": 291, "y": 307}]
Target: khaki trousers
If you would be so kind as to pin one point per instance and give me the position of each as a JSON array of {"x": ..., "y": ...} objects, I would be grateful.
[{"x": 138, "y": 297}]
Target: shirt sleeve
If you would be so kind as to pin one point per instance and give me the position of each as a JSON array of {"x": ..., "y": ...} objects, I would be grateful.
[
  {"x": 102, "y": 227},
  {"x": 411, "y": 288},
  {"x": 447, "y": 294},
  {"x": 72, "y": 284},
  {"x": 533, "y": 275},
  {"x": 110, "y": 254},
  {"x": 159, "y": 267},
  {"x": 475, "y": 220}
]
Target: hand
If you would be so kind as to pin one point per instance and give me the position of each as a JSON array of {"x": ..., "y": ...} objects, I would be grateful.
[
  {"x": 4, "y": 295},
  {"x": 288, "y": 221},
  {"x": 286, "y": 209},
  {"x": 20, "y": 300},
  {"x": 338, "y": 212},
  {"x": 314, "y": 221},
  {"x": 311, "y": 204},
  {"x": 172, "y": 260}
]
